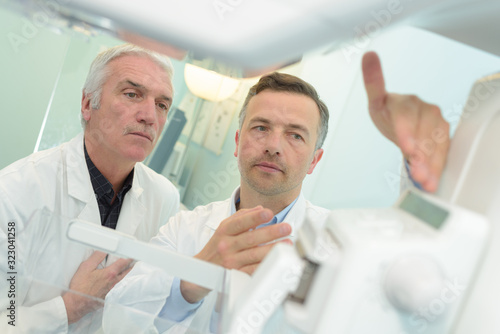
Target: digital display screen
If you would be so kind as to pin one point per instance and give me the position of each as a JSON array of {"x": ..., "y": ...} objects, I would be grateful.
[{"x": 424, "y": 210}]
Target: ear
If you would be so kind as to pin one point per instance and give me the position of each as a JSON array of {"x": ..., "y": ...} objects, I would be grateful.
[
  {"x": 317, "y": 157},
  {"x": 237, "y": 141},
  {"x": 86, "y": 107}
]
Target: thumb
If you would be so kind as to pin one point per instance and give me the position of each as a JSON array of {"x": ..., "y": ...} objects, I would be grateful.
[{"x": 374, "y": 81}]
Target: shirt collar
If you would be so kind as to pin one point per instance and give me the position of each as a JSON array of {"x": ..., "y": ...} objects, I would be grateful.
[
  {"x": 282, "y": 214},
  {"x": 102, "y": 187}
]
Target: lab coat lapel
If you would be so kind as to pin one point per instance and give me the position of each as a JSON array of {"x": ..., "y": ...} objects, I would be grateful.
[
  {"x": 227, "y": 209},
  {"x": 78, "y": 180},
  {"x": 133, "y": 210}
]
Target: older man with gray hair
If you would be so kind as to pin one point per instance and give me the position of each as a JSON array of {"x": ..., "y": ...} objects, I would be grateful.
[{"x": 96, "y": 177}]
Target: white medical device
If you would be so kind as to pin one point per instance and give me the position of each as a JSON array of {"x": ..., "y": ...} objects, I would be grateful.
[
  {"x": 472, "y": 180},
  {"x": 404, "y": 269}
]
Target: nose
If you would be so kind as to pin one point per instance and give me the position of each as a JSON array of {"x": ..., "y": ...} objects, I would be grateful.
[
  {"x": 147, "y": 112},
  {"x": 274, "y": 144}
]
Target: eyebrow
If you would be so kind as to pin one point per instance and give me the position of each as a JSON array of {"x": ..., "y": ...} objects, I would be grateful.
[
  {"x": 260, "y": 119},
  {"x": 291, "y": 126},
  {"x": 137, "y": 85},
  {"x": 299, "y": 127}
]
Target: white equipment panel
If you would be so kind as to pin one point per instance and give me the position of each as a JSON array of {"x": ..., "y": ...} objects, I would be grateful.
[{"x": 404, "y": 269}]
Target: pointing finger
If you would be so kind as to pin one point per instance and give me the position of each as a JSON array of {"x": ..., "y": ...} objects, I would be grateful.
[{"x": 374, "y": 81}]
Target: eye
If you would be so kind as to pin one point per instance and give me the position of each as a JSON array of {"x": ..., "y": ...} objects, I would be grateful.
[
  {"x": 162, "y": 106},
  {"x": 260, "y": 128},
  {"x": 297, "y": 136},
  {"x": 131, "y": 95}
]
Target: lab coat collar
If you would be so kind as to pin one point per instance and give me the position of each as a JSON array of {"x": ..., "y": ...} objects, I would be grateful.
[
  {"x": 78, "y": 178},
  {"x": 80, "y": 188},
  {"x": 222, "y": 210},
  {"x": 78, "y": 173},
  {"x": 133, "y": 210}
]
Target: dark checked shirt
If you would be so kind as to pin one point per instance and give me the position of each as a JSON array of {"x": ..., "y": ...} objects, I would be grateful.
[{"x": 104, "y": 193}]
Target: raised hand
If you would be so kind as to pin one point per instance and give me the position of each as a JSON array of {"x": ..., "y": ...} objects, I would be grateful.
[{"x": 416, "y": 127}]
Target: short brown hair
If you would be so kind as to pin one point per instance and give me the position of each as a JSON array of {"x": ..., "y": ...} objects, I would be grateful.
[{"x": 282, "y": 82}]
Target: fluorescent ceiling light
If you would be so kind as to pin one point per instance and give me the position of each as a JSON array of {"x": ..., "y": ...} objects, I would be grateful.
[{"x": 209, "y": 85}]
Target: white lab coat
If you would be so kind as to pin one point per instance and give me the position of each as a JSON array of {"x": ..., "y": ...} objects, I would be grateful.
[
  {"x": 146, "y": 288},
  {"x": 57, "y": 181}
]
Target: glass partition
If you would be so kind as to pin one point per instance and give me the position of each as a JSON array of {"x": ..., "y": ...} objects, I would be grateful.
[
  {"x": 62, "y": 117},
  {"x": 44, "y": 266}
]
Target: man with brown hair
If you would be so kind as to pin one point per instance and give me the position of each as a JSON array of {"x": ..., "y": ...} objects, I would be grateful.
[{"x": 282, "y": 127}]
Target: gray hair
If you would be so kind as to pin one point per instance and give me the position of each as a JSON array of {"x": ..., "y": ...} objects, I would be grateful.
[
  {"x": 281, "y": 82},
  {"x": 99, "y": 72}
]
